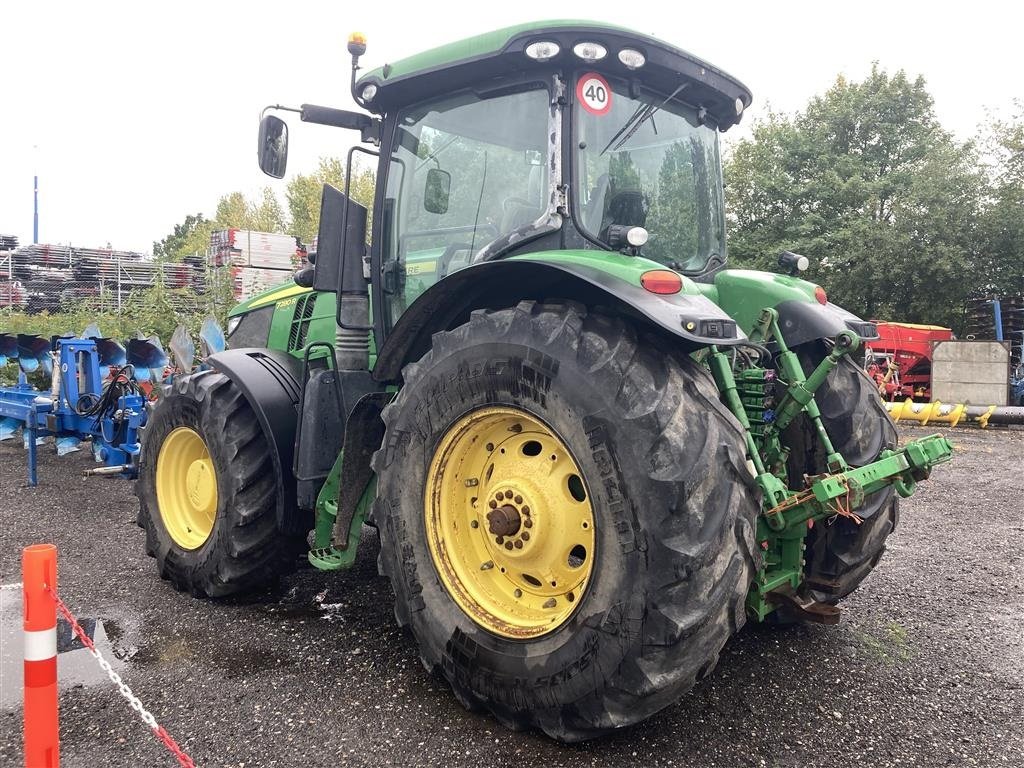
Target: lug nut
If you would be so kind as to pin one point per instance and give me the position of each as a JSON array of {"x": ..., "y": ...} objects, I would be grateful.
[
  {"x": 474, "y": 524},
  {"x": 528, "y": 523},
  {"x": 508, "y": 545},
  {"x": 526, "y": 510},
  {"x": 526, "y": 535},
  {"x": 508, "y": 494},
  {"x": 500, "y": 539},
  {"x": 499, "y": 496},
  {"x": 519, "y": 499},
  {"x": 492, "y": 503},
  {"x": 518, "y": 544}
]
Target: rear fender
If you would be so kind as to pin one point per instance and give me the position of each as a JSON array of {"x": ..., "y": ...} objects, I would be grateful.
[
  {"x": 687, "y": 316},
  {"x": 743, "y": 293}
]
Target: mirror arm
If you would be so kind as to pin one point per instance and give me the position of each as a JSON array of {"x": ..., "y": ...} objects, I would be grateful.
[
  {"x": 282, "y": 107},
  {"x": 371, "y": 133},
  {"x": 338, "y": 118}
]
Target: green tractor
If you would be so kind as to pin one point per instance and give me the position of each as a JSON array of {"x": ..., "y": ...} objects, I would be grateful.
[{"x": 592, "y": 452}]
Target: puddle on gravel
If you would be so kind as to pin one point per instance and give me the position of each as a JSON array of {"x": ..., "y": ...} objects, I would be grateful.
[{"x": 75, "y": 665}]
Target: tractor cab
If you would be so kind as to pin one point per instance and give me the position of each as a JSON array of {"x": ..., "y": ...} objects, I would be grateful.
[
  {"x": 553, "y": 136},
  {"x": 587, "y": 131}
]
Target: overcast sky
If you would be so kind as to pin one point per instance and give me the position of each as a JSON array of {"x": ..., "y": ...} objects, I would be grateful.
[{"x": 135, "y": 114}]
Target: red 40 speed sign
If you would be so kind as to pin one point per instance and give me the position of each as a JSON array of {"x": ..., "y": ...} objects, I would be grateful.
[{"x": 594, "y": 94}]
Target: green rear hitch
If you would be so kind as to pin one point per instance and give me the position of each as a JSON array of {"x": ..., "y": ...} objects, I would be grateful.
[
  {"x": 841, "y": 491},
  {"x": 782, "y": 528},
  {"x": 799, "y": 397}
]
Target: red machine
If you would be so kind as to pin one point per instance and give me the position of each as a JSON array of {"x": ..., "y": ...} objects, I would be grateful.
[{"x": 900, "y": 360}]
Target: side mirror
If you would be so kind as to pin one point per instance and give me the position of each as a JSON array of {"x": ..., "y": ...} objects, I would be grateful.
[
  {"x": 273, "y": 146},
  {"x": 437, "y": 190}
]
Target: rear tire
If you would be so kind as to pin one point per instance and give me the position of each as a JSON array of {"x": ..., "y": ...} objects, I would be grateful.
[
  {"x": 245, "y": 549},
  {"x": 674, "y": 508},
  {"x": 841, "y": 554}
]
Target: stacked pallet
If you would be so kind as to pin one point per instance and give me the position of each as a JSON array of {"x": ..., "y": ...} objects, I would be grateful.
[
  {"x": 980, "y": 321},
  {"x": 12, "y": 292},
  {"x": 53, "y": 277},
  {"x": 12, "y": 295},
  {"x": 981, "y": 317},
  {"x": 248, "y": 281},
  {"x": 43, "y": 277},
  {"x": 256, "y": 260}
]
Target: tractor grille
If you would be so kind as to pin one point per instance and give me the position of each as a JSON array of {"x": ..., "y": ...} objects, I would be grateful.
[{"x": 300, "y": 322}]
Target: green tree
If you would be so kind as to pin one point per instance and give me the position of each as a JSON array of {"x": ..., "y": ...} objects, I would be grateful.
[
  {"x": 263, "y": 214},
  {"x": 1002, "y": 225},
  {"x": 304, "y": 192},
  {"x": 190, "y": 236},
  {"x": 867, "y": 184}
]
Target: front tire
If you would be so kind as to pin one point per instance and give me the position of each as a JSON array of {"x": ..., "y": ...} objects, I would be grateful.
[
  {"x": 661, "y": 467},
  {"x": 208, "y": 491}
]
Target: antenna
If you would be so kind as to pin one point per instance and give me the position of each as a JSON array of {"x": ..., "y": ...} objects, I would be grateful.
[{"x": 35, "y": 199}]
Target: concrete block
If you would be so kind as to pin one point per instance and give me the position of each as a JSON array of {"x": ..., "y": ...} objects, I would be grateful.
[{"x": 975, "y": 372}]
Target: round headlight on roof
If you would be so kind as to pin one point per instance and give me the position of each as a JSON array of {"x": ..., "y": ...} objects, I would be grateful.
[
  {"x": 590, "y": 52},
  {"x": 739, "y": 106},
  {"x": 369, "y": 91},
  {"x": 631, "y": 58},
  {"x": 542, "y": 50}
]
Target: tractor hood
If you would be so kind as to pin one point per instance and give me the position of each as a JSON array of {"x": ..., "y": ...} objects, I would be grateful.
[
  {"x": 472, "y": 61},
  {"x": 285, "y": 290}
]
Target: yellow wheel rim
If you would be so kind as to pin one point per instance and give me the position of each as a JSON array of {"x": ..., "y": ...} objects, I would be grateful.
[
  {"x": 186, "y": 488},
  {"x": 509, "y": 522}
]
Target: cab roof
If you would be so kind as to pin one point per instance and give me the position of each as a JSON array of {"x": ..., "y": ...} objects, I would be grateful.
[{"x": 475, "y": 60}]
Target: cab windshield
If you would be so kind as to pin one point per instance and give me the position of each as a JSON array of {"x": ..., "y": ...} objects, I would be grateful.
[{"x": 647, "y": 161}]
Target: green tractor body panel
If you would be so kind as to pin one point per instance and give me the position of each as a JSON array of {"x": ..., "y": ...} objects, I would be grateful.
[
  {"x": 502, "y": 52},
  {"x": 471, "y": 48},
  {"x": 743, "y": 293}
]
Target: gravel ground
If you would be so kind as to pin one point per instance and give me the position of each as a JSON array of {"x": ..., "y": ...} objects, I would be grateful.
[{"x": 926, "y": 668}]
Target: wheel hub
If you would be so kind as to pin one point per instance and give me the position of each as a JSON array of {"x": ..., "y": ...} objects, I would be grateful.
[
  {"x": 186, "y": 487},
  {"x": 509, "y": 523},
  {"x": 504, "y": 521}
]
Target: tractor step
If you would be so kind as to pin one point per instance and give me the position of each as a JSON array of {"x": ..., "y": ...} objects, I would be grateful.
[
  {"x": 329, "y": 559},
  {"x": 803, "y": 607}
]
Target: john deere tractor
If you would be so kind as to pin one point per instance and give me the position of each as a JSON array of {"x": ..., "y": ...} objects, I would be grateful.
[{"x": 590, "y": 449}]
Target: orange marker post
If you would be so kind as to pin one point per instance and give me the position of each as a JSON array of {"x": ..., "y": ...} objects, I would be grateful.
[{"x": 39, "y": 572}]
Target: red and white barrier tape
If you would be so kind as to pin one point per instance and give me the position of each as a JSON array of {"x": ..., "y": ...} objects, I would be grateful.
[{"x": 158, "y": 730}]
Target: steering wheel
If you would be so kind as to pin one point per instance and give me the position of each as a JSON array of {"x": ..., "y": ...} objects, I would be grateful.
[
  {"x": 593, "y": 215},
  {"x": 508, "y": 202}
]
